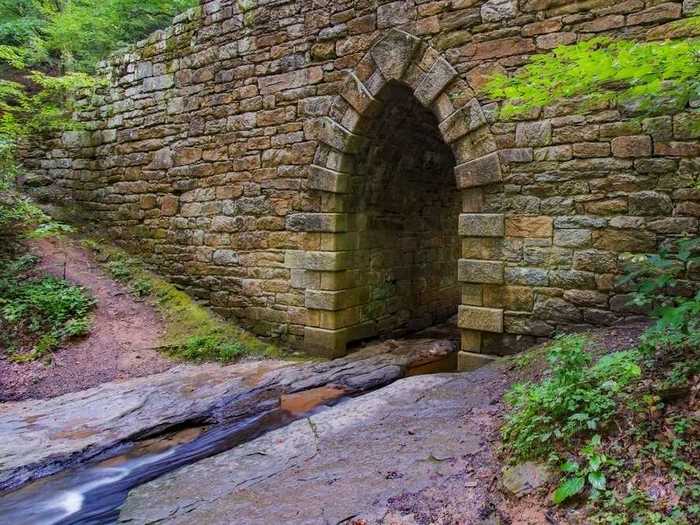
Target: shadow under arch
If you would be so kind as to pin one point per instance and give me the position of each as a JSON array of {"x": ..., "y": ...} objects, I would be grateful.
[{"x": 332, "y": 268}]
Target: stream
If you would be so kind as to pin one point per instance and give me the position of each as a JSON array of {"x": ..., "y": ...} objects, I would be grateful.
[
  {"x": 93, "y": 494},
  {"x": 94, "y": 490}
]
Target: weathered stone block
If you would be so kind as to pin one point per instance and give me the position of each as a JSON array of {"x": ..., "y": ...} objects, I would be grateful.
[
  {"x": 481, "y": 225},
  {"x": 650, "y": 203},
  {"x": 472, "y": 294},
  {"x": 479, "y": 172},
  {"x": 325, "y": 343},
  {"x": 324, "y": 179},
  {"x": 482, "y": 319},
  {"x": 526, "y": 276},
  {"x": 359, "y": 97},
  {"x": 519, "y": 298},
  {"x": 529, "y": 226},
  {"x": 317, "y": 222},
  {"x": 660, "y": 13},
  {"x": 572, "y": 238},
  {"x": 497, "y": 10},
  {"x": 395, "y": 51},
  {"x": 596, "y": 261},
  {"x": 625, "y": 241},
  {"x": 394, "y": 13},
  {"x": 335, "y": 300},
  {"x": 226, "y": 257},
  {"x": 674, "y": 225},
  {"x": 533, "y": 133},
  {"x": 328, "y": 261},
  {"x": 474, "y": 271},
  {"x": 330, "y": 132},
  {"x": 579, "y": 221},
  {"x": 557, "y": 310},
  {"x": 471, "y": 340},
  {"x": 572, "y": 279},
  {"x": 434, "y": 81},
  {"x": 634, "y": 146},
  {"x": 586, "y": 298},
  {"x": 462, "y": 121}
]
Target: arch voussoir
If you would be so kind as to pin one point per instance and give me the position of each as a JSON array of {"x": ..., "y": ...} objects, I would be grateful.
[{"x": 333, "y": 134}]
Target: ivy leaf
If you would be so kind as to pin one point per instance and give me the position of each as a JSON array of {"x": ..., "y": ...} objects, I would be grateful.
[
  {"x": 570, "y": 467},
  {"x": 569, "y": 488},
  {"x": 597, "y": 480}
]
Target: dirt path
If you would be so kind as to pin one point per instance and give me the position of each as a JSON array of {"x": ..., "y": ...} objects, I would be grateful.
[{"x": 120, "y": 343}]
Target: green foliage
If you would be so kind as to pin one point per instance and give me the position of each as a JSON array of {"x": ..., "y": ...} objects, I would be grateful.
[
  {"x": 48, "y": 50},
  {"x": 85, "y": 31},
  {"x": 211, "y": 347},
  {"x": 604, "y": 70},
  {"x": 19, "y": 21},
  {"x": 42, "y": 312},
  {"x": 656, "y": 278},
  {"x": 590, "y": 473},
  {"x": 44, "y": 108},
  {"x": 577, "y": 398},
  {"x": 73, "y": 35}
]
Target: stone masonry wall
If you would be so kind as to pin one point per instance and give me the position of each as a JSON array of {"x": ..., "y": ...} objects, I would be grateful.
[{"x": 235, "y": 152}]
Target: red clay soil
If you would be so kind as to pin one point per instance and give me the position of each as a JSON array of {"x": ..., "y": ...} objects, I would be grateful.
[{"x": 120, "y": 345}]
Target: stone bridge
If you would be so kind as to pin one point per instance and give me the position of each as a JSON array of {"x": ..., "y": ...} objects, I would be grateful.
[{"x": 327, "y": 171}]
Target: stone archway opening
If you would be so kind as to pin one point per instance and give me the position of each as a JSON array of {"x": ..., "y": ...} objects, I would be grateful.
[
  {"x": 403, "y": 153},
  {"x": 407, "y": 205}
]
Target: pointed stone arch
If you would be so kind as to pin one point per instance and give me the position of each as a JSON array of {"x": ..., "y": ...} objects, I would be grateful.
[{"x": 325, "y": 269}]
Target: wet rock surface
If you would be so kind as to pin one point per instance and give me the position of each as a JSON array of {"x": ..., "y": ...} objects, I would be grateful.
[
  {"x": 416, "y": 451},
  {"x": 40, "y": 438}
]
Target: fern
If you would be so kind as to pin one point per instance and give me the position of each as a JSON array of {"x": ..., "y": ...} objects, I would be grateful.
[{"x": 602, "y": 70}]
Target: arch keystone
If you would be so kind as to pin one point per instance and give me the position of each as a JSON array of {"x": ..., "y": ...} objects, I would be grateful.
[{"x": 394, "y": 53}]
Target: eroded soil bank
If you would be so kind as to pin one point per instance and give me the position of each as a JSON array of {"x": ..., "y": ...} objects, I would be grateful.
[{"x": 121, "y": 343}]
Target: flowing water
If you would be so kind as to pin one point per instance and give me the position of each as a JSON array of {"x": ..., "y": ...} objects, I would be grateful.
[{"x": 93, "y": 494}]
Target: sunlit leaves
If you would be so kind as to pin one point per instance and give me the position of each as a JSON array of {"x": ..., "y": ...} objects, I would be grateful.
[{"x": 646, "y": 75}]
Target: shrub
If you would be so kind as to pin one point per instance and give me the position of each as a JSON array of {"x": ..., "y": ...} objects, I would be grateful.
[
  {"x": 40, "y": 312},
  {"x": 576, "y": 400}
]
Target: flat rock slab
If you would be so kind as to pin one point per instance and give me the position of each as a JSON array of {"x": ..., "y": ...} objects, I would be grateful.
[
  {"x": 416, "y": 451},
  {"x": 39, "y": 438}
]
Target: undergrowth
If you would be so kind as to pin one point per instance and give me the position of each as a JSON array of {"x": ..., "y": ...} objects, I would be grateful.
[
  {"x": 622, "y": 429},
  {"x": 39, "y": 313},
  {"x": 193, "y": 332}
]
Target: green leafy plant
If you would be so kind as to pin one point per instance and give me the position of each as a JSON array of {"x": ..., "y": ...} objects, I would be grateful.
[
  {"x": 656, "y": 278},
  {"x": 650, "y": 75},
  {"x": 42, "y": 312},
  {"x": 578, "y": 476},
  {"x": 578, "y": 397},
  {"x": 211, "y": 347},
  {"x": 75, "y": 34}
]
